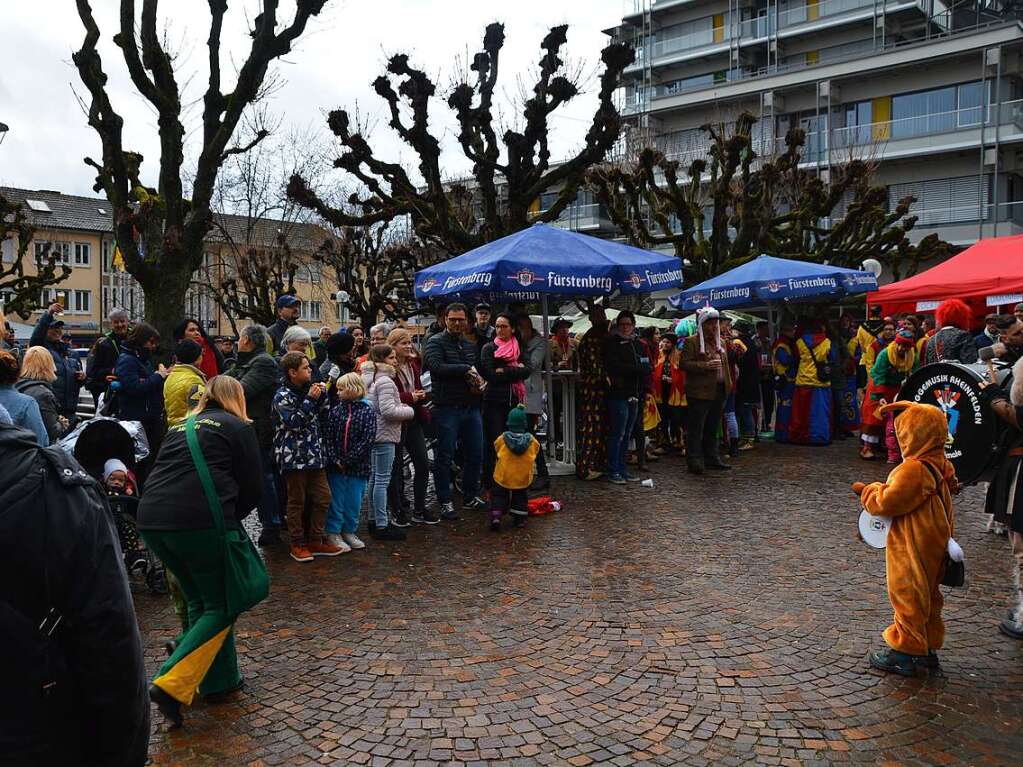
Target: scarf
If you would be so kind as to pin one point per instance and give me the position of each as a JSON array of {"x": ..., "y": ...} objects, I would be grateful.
[{"x": 508, "y": 352}]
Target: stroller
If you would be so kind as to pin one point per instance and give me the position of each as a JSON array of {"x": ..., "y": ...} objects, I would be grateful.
[{"x": 93, "y": 443}]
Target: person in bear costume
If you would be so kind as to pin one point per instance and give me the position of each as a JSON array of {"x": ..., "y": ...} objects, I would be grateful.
[{"x": 917, "y": 496}]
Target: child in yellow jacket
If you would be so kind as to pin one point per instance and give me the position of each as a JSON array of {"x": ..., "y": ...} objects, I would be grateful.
[
  {"x": 513, "y": 473},
  {"x": 918, "y": 498}
]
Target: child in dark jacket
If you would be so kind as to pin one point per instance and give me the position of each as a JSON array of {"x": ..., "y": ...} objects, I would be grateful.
[
  {"x": 348, "y": 441},
  {"x": 296, "y": 412},
  {"x": 513, "y": 473}
]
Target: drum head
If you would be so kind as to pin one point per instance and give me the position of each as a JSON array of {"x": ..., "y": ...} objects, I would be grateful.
[
  {"x": 972, "y": 428},
  {"x": 874, "y": 530}
]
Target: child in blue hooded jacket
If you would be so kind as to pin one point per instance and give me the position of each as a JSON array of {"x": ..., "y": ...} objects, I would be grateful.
[{"x": 348, "y": 442}]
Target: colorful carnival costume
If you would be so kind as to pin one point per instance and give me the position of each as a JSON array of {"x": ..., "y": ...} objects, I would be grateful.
[
  {"x": 917, "y": 496},
  {"x": 670, "y": 396},
  {"x": 810, "y": 423},
  {"x": 891, "y": 368},
  {"x": 783, "y": 360},
  {"x": 847, "y": 415},
  {"x": 592, "y": 421}
]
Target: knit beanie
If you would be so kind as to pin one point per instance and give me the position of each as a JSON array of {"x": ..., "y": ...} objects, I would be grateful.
[
  {"x": 517, "y": 421},
  {"x": 340, "y": 343},
  {"x": 187, "y": 352},
  {"x": 905, "y": 337},
  {"x": 702, "y": 315}
]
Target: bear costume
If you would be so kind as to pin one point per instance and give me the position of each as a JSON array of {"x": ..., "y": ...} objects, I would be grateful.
[{"x": 920, "y": 507}]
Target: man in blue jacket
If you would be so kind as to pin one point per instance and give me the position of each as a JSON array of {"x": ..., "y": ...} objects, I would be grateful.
[{"x": 70, "y": 376}]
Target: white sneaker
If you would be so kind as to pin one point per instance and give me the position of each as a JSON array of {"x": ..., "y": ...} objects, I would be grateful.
[
  {"x": 353, "y": 541},
  {"x": 337, "y": 540}
]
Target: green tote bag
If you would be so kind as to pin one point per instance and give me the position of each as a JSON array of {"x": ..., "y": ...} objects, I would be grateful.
[{"x": 246, "y": 581}]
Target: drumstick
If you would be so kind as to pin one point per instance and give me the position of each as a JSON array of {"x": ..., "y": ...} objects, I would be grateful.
[{"x": 987, "y": 354}]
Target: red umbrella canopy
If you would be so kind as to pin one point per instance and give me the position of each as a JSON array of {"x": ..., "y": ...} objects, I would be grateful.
[{"x": 985, "y": 275}]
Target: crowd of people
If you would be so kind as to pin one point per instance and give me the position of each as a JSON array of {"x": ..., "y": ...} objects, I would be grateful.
[{"x": 336, "y": 421}]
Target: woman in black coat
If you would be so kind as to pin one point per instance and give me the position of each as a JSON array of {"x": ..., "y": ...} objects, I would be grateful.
[{"x": 501, "y": 394}]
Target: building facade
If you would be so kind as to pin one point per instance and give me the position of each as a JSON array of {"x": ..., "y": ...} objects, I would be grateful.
[
  {"x": 928, "y": 89},
  {"x": 79, "y": 229}
]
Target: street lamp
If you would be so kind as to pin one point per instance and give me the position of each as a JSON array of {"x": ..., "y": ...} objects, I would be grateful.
[{"x": 3, "y": 132}]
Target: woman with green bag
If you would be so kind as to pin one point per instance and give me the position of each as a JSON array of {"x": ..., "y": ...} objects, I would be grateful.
[{"x": 198, "y": 492}]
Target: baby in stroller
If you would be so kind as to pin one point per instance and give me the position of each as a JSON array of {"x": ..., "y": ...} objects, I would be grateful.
[{"x": 108, "y": 449}]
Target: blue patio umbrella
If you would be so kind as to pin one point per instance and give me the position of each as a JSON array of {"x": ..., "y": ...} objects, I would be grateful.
[
  {"x": 767, "y": 279},
  {"x": 544, "y": 260}
]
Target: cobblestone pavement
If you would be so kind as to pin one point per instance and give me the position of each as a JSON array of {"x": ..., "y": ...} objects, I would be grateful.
[{"x": 716, "y": 620}]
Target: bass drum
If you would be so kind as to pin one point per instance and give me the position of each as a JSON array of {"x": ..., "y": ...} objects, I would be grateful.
[{"x": 973, "y": 430}]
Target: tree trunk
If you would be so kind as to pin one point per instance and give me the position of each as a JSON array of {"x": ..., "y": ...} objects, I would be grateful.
[{"x": 165, "y": 306}]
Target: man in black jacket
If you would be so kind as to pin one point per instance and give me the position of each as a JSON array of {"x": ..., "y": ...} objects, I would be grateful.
[
  {"x": 70, "y": 654},
  {"x": 256, "y": 370},
  {"x": 288, "y": 308},
  {"x": 99, "y": 368},
  {"x": 450, "y": 359},
  {"x": 627, "y": 365}
]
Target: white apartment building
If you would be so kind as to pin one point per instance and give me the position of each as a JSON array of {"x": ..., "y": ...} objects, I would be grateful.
[{"x": 931, "y": 89}]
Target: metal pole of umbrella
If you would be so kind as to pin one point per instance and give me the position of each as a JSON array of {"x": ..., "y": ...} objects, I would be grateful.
[{"x": 555, "y": 467}]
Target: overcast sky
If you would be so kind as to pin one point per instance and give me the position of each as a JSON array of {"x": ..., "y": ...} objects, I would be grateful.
[{"x": 332, "y": 66}]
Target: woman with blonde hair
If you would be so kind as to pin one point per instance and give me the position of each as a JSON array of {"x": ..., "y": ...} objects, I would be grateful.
[
  {"x": 37, "y": 375},
  {"x": 199, "y": 491},
  {"x": 408, "y": 369},
  {"x": 347, "y": 444}
]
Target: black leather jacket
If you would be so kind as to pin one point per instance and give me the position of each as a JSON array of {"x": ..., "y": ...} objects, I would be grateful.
[{"x": 448, "y": 358}]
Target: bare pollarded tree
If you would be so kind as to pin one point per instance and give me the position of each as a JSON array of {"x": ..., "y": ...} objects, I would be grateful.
[
  {"x": 160, "y": 231},
  {"x": 759, "y": 205},
  {"x": 510, "y": 172},
  {"x": 21, "y": 288}
]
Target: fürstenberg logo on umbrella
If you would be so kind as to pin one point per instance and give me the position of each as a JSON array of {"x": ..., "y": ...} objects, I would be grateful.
[{"x": 480, "y": 279}]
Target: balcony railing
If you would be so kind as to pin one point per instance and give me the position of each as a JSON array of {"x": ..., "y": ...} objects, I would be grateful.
[{"x": 932, "y": 215}]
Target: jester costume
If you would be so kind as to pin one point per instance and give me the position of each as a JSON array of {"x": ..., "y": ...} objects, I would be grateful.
[
  {"x": 810, "y": 422},
  {"x": 783, "y": 361},
  {"x": 592, "y": 421}
]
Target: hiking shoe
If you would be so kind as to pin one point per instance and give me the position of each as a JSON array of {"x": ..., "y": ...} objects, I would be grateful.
[
  {"x": 632, "y": 478},
  {"x": 425, "y": 517},
  {"x": 894, "y": 662},
  {"x": 1011, "y": 629},
  {"x": 326, "y": 549},
  {"x": 353, "y": 540},
  {"x": 337, "y": 540},
  {"x": 301, "y": 553},
  {"x": 402, "y": 519},
  {"x": 389, "y": 533},
  {"x": 867, "y": 453},
  {"x": 593, "y": 474},
  {"x": 746, "y": 444},
  {"x": 447, "y": 512},
  {"x": 169, "y": 707},
  {"x": 518, "y": 519},
  {"x": 616, "y": 479},
  {"x": 474, "y": 504}
]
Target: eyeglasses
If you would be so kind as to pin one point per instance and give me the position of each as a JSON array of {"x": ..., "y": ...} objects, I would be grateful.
[{"x": 456, "y": 320}]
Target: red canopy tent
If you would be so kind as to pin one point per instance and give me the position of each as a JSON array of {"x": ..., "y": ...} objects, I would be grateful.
[{"x": 985, "y": 275}]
